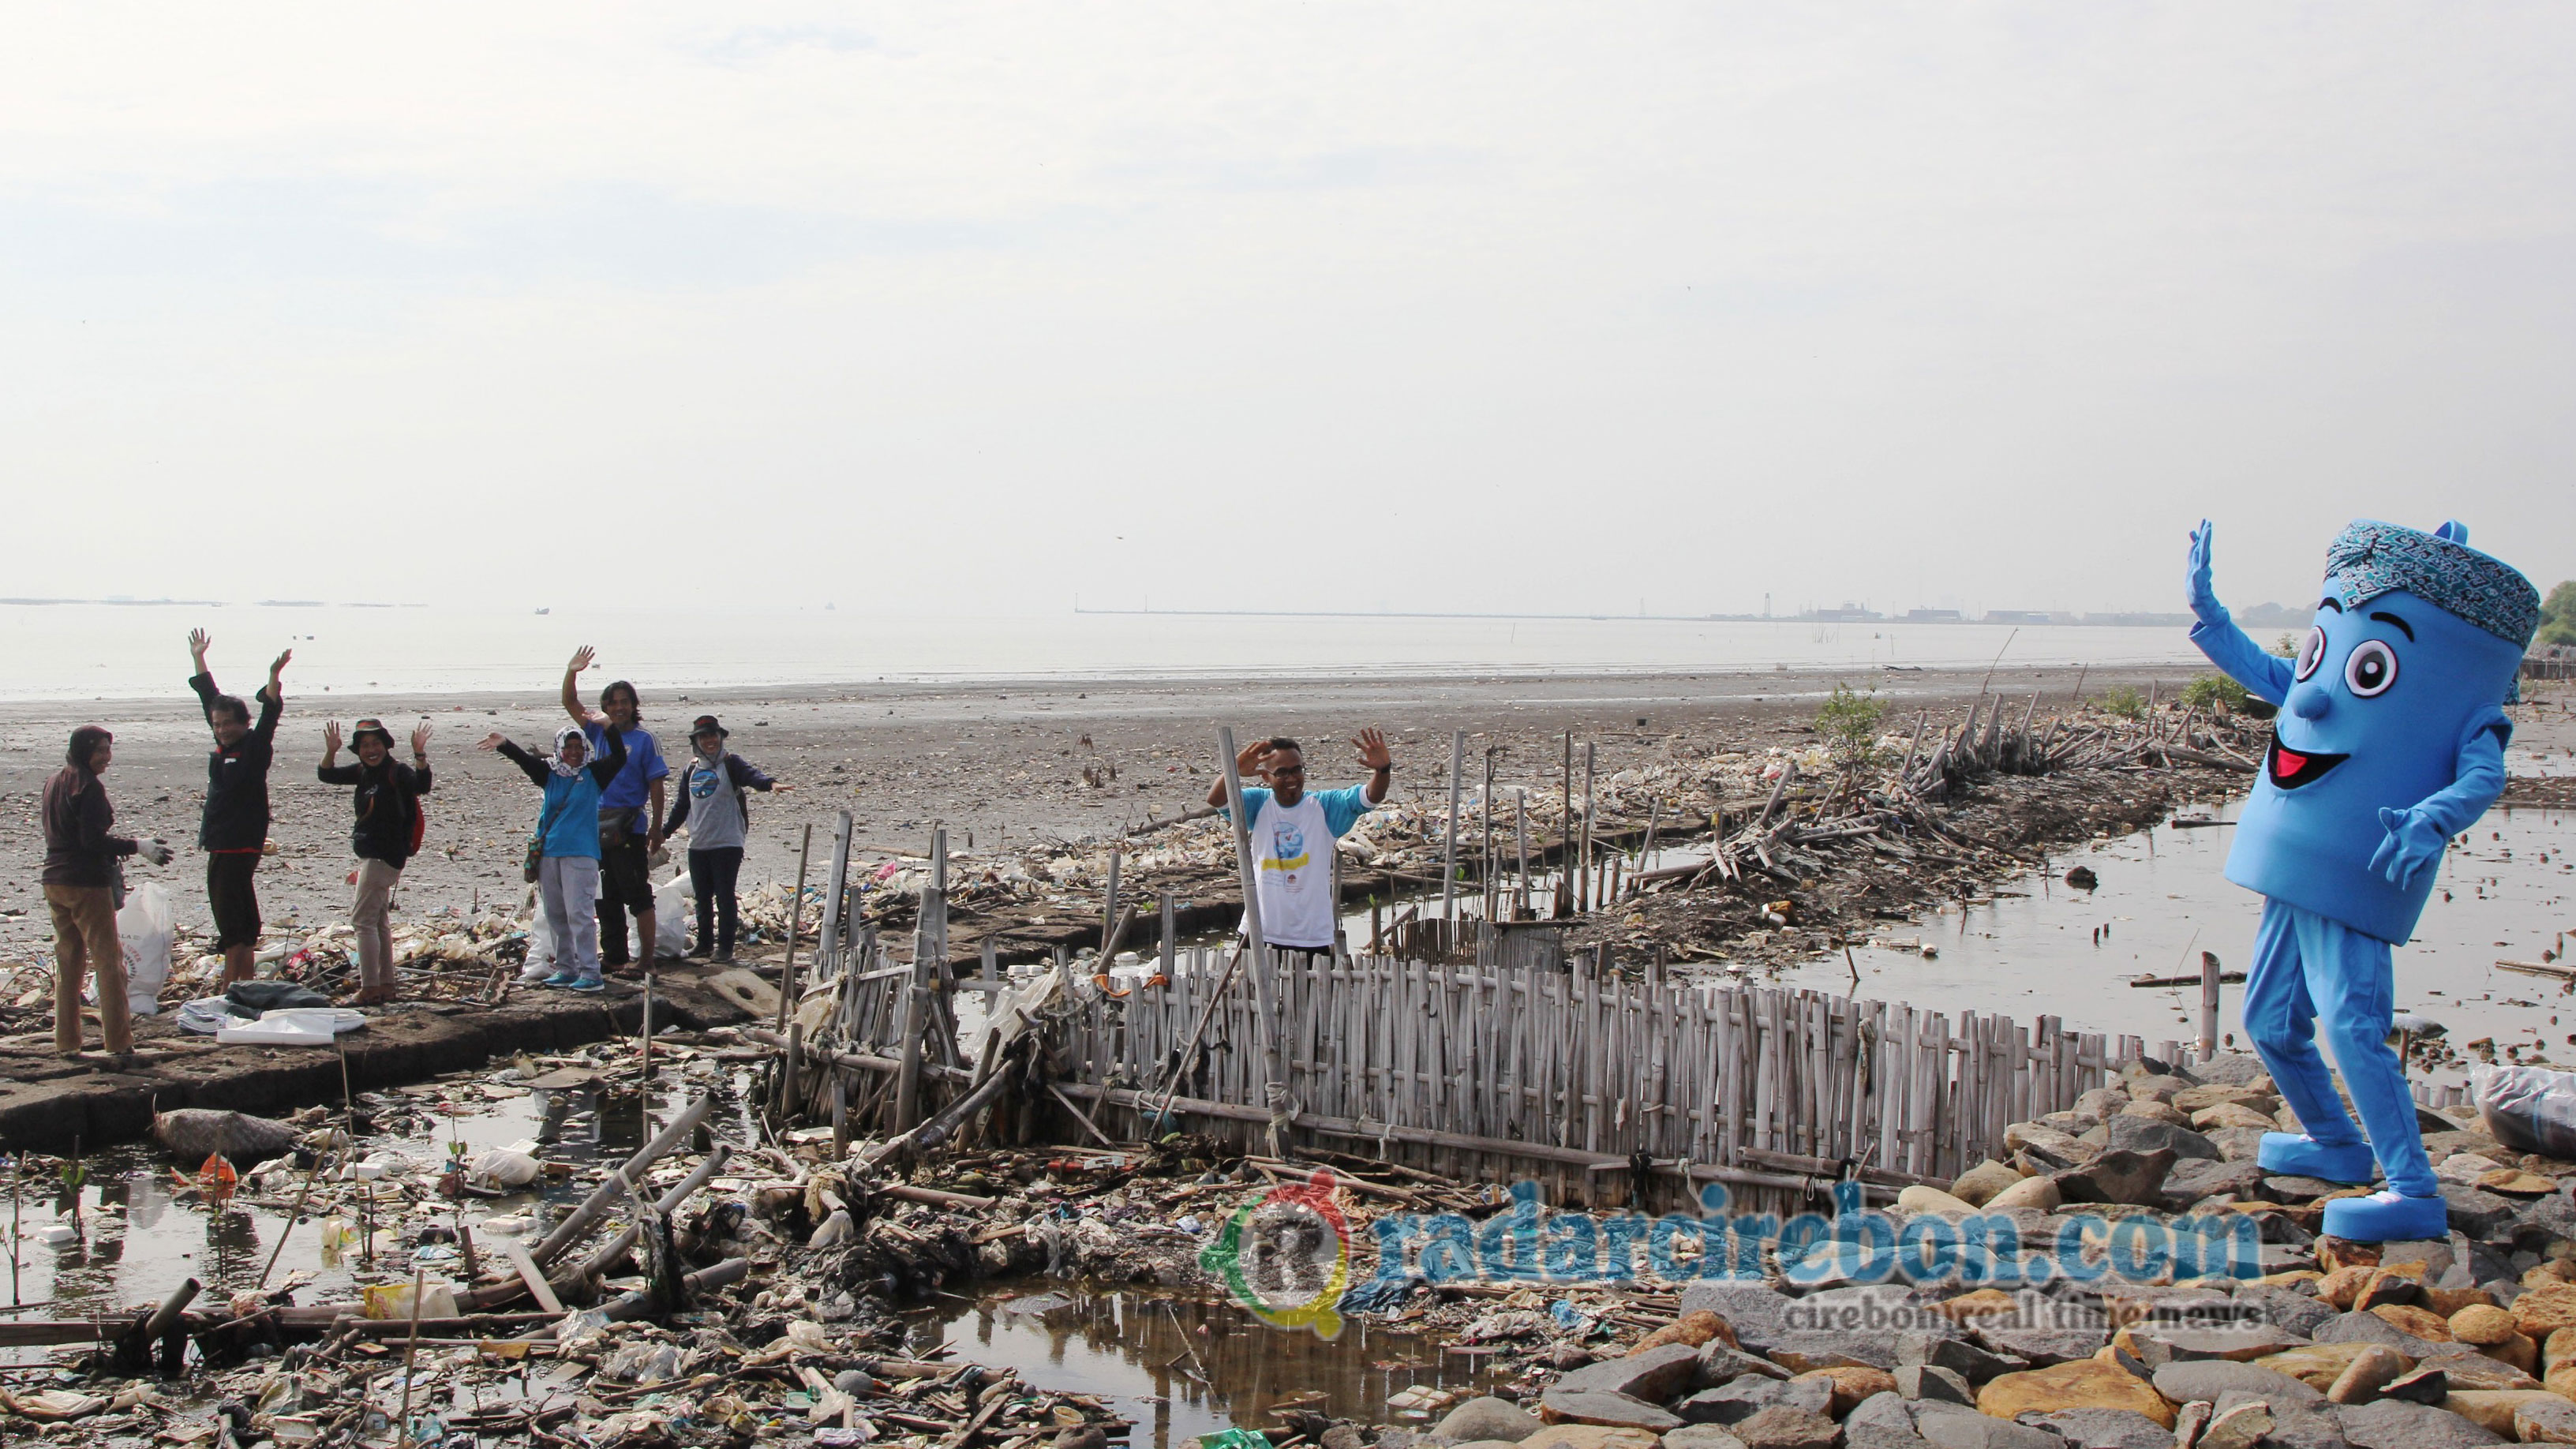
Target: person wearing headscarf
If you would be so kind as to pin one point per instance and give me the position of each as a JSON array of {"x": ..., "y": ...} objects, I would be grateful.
[
  {"x": 83, "y": 879},
  {"x": 716, "y": 811},
  {"x": 565, "y": 846},
  {"x": 387, "y": 831}
]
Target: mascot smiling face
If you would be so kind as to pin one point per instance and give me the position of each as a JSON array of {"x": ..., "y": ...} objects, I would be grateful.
[{"x": 2386, "y": 689}]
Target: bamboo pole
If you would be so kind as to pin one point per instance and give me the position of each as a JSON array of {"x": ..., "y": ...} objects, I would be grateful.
[
  {"x": 1588, "y": 900},
  {"x": 606, "y": 1195},
  {"x": 1274, "y": 1083},
  {"x": 1449, "y": 846},
  {"x": 795, "y": 917}
]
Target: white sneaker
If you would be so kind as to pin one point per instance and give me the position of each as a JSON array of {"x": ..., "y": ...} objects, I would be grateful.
[{"x": 535, "y": 971}]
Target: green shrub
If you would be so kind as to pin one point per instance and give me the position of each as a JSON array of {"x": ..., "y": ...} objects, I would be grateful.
[
  {"x": 2558, "y": 616},
  {"x": 2125, "y": 700},
  {"x": 1848, "y": 724},
  {"x": 2287, "y": 646},
  {"x": 2213, "y": 691}
]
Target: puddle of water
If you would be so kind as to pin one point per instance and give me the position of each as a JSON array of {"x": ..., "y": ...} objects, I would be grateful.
[
  {"x": 140, "y": 1234},
  {"x": 2164, "y": 899},
  {"x": 1179, "y": 1367}
]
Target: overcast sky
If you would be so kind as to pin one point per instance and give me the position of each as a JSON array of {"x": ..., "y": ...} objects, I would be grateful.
[{"x": 1278, "y": 306}]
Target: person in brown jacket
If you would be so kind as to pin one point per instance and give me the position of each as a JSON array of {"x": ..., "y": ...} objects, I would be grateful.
[{"x": 82, "y": 881}]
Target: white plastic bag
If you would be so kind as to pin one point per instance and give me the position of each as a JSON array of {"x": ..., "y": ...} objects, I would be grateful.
[
  {"x": 294, "y": 1026},
  {"x": 671, "y": 916},
  {"x": 2529, "y": 1109},
  {"x": 146, "y": 927}
]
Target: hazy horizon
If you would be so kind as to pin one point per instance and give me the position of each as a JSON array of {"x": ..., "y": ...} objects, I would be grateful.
[{"x": 1663, "y": 307}]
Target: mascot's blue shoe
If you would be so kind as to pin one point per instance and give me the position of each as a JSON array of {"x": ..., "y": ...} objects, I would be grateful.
[
  {"x": 2387, "y": 1217},
  {"x": 2299, "y": 1155}
]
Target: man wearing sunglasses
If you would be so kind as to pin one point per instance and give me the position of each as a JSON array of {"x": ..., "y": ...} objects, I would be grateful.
[{"x": 1293, "y": 832}]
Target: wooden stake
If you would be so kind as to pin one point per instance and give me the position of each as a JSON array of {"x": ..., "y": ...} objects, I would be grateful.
[
  {"x": 1589, "y": 900},
  {"x": 1274, "y": 1081},
  {"x": 1449, "y": 850},
  {"x": 2208, "y": 1005},
  {"x": 795, "y": 918}
]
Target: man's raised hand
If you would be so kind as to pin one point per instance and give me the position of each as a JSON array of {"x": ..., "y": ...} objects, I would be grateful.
[
  {"x": 582, "y": 658},
  {"x": 330, "y": 737},
  {"x": 420, "y": 739},
  {"x": 1247, "y": 761},
  {"x": 197, "y": 642},
  {"x": 1373, "y": 751}
]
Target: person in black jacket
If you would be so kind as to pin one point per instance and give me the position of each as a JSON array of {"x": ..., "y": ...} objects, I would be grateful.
[
  {"x": 713, "y": 807},
  {"x": 83, "y": 864},
  {"x": 388, "y": 805},
  {"x": 235, "y": 829}
]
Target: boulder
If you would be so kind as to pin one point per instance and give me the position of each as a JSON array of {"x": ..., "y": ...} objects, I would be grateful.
[
  {"x": 2043, "y": 1345},
  {"x": 2305, "y": 1426},
  {"x": 2234, "y": 1069},
  {"x": 2237, "y": 1144},
  {"x": 1851, "y": 1385},
  {"x": 2371, "y": 1370},
  {"x": 2160, "y": 1086},
  {"x": 2484, "y": 1325},
  {"x": 1654, "y": 1375},
  {"x": 2494, "y": 1409},
  {"x": 2374, "y": 1328},
  {"x": 2155, "y": 1111},
  {"x": 2478, "y": 1212},
  {"x": 2393, "y": 1424},
  {"x": 1782, "y": 1427},
  {"x": 2550, "y": 1420},
  {"x": 2047, "y": 1146},
  {"x": 1881, "y": 1422},
  {"x": 2195, "y": 1178},
  {"x": 2034, "y": 1194},
  {"x": 2132, "y": 1133},
  {"x": 1707, "y": 1436},
  {"x": 2240, "y": 1427},
  {"x": 2477, "y": 1371},
  {"x": 2211, "y": 1378},
  {"x": 2424, "y": 1384},
  {"x": 2292, "y": 1312},
  {"x": 1720, "y": 1363},
  {"x": 2318, "y": 1365},
  {"x": 1958, "y": 1355},
  {"x": 1741, "y": 1400},
  {"x": 1691, "y": 1329},
  {"x": 1588, "y": 1436},
  {"x": 2119, "y": 1175},
  {"x": 1921, "y": 1199},
  {"x": 1488, "y": 1418},
  {"x": 2421, "y": 1323},
  {"x": 2181, "y": 1345},
  {"x": 2083, "y": 1384},
  {"x": 2223, "y": 1115},
  {"x": 2542, "y": 1311},
  {"x": 1753, "y": 1310},
  {"x": 1947, "y": 1426},
  {"x": 1605, "y": 1409},
  {"x": 1931, "y": 1381},
  {"x": 2211, "y": 1094},
  {"x": 2105, "y": 1428},
  {"x": 1980, "y": 1183}
]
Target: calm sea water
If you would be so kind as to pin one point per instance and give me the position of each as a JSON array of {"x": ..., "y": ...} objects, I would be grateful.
[{"x": 85, "y": 651}]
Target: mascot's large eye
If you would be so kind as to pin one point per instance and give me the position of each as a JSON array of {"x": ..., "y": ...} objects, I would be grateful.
[
  {"x": 2311, "y": 650},
  {"x": 2371, "y": 669}
]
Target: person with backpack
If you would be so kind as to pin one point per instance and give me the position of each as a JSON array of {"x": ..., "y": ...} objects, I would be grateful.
[
  {"x": 717, "y": 814},
  {"x": 234, "y": 834},
  {"x": 387, "y": 833},
  {"x": 563, "y": 854}
]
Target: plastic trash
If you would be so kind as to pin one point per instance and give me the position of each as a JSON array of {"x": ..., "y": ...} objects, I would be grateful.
[
  {"x": 206, "y": 1015},
  {"x": 643, "y": 1363},
  {"x": 192, "y": 1133},
  {"x": 146, "y": 927},
  {"x": 294, "y": 1026},
  {"x": 671, "y": 916},
  {"x": 2529, "y": 1109},
  {"x": 504, "y": 1169},
  {"x": 834, "y": 1229},
  {"x": 393, "y": 1301},
  {"x": 249, "y": 998}
]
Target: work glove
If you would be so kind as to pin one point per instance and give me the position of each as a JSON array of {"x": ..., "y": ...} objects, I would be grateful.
[
  {"x": 2411, "y": 851},
  {"x": 2204, "y": 599},
  {"x": 154, "y": 850}
]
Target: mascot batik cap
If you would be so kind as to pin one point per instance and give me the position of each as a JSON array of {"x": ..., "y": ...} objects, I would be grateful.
[{"x": 2371, "y": 558}]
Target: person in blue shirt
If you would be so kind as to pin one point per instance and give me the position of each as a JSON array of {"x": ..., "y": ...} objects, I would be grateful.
[
  {"x": 1293, "y": 831},
  {"x": 628, "y": 836},
  {"x": 567, "y": 844}
]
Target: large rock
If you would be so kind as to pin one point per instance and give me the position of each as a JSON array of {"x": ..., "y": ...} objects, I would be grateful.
[
  {"x": 2234, "y": 1069},
  {"x": 2199, "y": 1177},
  {"x": 1980, "y": 1183},
  {"x": 1741, "y": 1400},
  {"x": 1655, "y": 1375},
  {"x": 1488, "y": 1418},
  {"x": 1753, "y": 1310},
  {"x": 2042, "y": 1345},
  {"x": 2224, "y": 1115},
  {"x": 2295, "y": 1314},
  {"x": 2317, "y": 1365},
  {"x": 2305, "y": 1426},
  {"x": 2238, "y": 1426},
  {"x": 2237, "y": 1144},
  {"x": 2119, "y": 1175},
  {"x": 1710, "y": 1436},
  {"x": 1931, "y": 1381},
  {"x": 1588, "y": 1436},
  {"x": 2478, "y": 1212},
  {"x": 2543, "y": 1421},
  {"x": 1722, "y": 1363},
  {"x": 1947, "y": 1426},
  {"x": 2543, "y": 1310},
  {"x": 1853, "y": 1384},
  {"x": 1690, "y": 1329},
  {"x": 2391, "y": 1424},
  {"x": 2047, "y": 1146},
  {"x": 1782, "y": 1427},
  {"x": 2212, "y": 1378},
  {"x": 2179, "y": 1345},
  {"x": 2374, "y": 1328},
  {"x": 1880, "y": 1422},
  {"x": 2028, "y": 1194},
  {"x": 1919, "y": 1198},
  {"x": 2373, "y": 1369},
  {"x": 1957, "y": 1355},
  {"x": 2493, "y": 1409},
  {"x": 1838, "y": 1326},
  {"x": 2085, "y": 1384},
  {"x": 1606, "y": 1409},
  {"x": 2105, "y": 1428},
  {"x": 2133, "y": 1133}
]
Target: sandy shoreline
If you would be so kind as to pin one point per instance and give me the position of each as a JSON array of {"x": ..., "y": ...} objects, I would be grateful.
[{"x": 1000, "y": 763}]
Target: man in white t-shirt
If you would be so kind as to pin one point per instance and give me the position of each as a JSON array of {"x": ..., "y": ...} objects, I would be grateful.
[{"x": 1293, "y": 833}]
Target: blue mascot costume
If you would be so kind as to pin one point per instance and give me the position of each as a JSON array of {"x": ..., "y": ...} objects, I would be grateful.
[{"x": 2390, "y": 740}]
